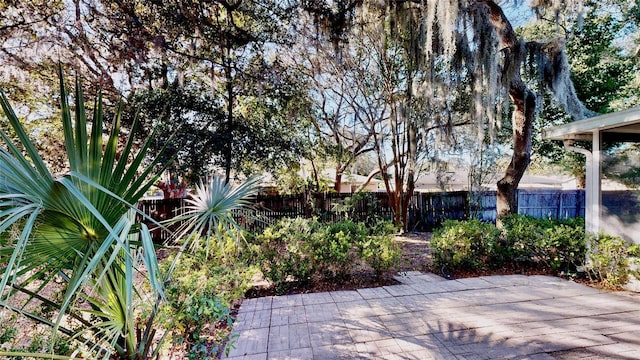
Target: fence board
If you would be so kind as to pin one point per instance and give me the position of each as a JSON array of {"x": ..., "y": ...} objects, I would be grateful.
[
  {"x": 552, "y": 204},
  {"x": 161, "y": 210}
]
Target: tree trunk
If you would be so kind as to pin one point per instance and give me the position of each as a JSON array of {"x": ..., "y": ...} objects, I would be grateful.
[
  {"x": 338, "y": 179},
  {"x": 228, "y": 73},
  {"x": 228, "y": 149},
  {"x": 524, "y": 102},
  {"x": 411, "y": 174},
  {"x": 412, "y": 151}
]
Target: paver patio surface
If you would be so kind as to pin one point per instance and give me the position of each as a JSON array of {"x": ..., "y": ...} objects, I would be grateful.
[{"x": 427, "y": 317}]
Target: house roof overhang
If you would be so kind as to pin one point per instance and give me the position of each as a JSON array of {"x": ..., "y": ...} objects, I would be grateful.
[{"x": 621, "y": 126}]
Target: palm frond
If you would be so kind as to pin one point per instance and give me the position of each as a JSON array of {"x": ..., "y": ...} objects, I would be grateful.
[
  {"x": 213, "y": 207},
  {"x": 79, "y": 226},
  {"x": 80, "y": 143}
]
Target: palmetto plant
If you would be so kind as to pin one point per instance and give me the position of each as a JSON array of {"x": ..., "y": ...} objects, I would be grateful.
[
  {"x": 213, "y": 209},
  {"x": 77, "y": 229},
  {"x": 75, "y": 236}
]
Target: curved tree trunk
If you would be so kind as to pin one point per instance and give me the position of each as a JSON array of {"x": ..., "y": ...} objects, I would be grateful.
[
  {"x": 524, "y": 101},
  {"x": 523, "y": 113}
]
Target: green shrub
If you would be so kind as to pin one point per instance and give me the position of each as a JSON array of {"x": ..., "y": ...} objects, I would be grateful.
[
  {"x": 296, "y": 249},
  {"x": 473, "y": 245},
  {"x": 382, "y": 227},
  {"x": 459, "y": 245},
  {"x": 284, "y": 252},
  {"x": 331, "y": 248},
  {"x": 523, "y": 236},
  {"x": 564, "y": 247},
  {"x": 197, "y": 276},
  {"x": 380, "y": 252},
  {"x": 195, "y": 324},
  {"x": 199, "y": 295},
  {"x": 558, "y": 243},
  {"x": 610, "y": 260}
]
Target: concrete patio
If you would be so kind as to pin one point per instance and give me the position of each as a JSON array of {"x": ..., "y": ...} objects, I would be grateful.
[{"x": 427, "y": 317}]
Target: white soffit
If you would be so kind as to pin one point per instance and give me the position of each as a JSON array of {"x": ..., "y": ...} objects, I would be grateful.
[{"x": 620, "y": 122}]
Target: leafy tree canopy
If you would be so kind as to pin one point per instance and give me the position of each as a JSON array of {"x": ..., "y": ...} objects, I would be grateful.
[{"x": 603, "y": 70}]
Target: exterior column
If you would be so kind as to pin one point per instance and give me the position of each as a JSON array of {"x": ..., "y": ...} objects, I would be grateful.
[
  {"x": 591, "y": 194},
  {"x": 596, "y": 184},
  {"x": 588, "y": 194}
]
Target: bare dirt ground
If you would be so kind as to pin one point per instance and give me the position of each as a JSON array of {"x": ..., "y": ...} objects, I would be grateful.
[{"x": 416, "y": 255}]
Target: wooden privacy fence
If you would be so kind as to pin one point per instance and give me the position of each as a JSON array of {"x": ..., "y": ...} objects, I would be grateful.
[
  {"x": 269, "y": 209},
  {"x": 431, "y": 209},
  {"x": 426, "y": 210}
]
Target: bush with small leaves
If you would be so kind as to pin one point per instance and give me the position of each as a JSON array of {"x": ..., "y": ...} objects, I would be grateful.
[
  {"x": 610, "y": 259},
  {"x": 558, "y": 243},
  {"x": 381, "y": 252},
  {"x": 332, "y": 248},
  {"x": 299, "y": 249},
  {"x": 564, "y": 247},
  {"x": 196, "y": 327},
  {"x": 524, "y": 241},
  {"x": 523, "y": 236},
  {"x": 460, "y": 245},
  {"x": 203, "y": 286},
  {"x": 383, "y": 227},
  {"x": 284, "y": 252}
]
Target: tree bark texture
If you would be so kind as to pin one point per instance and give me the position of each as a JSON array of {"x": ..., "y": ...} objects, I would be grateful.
[
  {"x": 523, "y": 113},
  {"x": 524, "y": 101}
]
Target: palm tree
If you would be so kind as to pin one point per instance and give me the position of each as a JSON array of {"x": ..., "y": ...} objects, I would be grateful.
[{"x": 79, "y": 230}]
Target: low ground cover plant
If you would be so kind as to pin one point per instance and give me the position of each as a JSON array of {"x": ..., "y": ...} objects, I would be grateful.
[
  {"x": 297, "y": 250},
  {"x": 201, "y": 294}
]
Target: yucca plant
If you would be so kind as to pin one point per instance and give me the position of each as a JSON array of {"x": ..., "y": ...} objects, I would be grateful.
[{"x": 78, "y": 231}]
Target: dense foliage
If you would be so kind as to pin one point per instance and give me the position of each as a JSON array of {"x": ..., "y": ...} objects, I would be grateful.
[
  {"x": 604, "y": 72},
  {"x": 523, "y": 242},
  {"x": 200, "y": 295},
  {"x": 72, "y": 256},
  {"x": 612, "y": 260},
  {"x": 243, "y": 82},
  {"x": 530, "y": 244},
  {"x": 302, "y": 250},
  {"x": 464, "y": 244}
]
